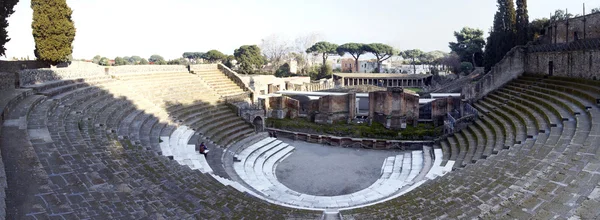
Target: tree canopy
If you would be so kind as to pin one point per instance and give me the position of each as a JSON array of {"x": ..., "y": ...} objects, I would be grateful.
[
  {"x": 413, "y": 55},
  {"x": 119, "y": 61},
  {"x": 469, "y": 45},
  {"x": 144, "y": 62},
  {"x": 560, "y": 15},
  {"x": 213, "y": 56},
  {"x": 193, "y": 55},
  {"x": 249, "y": 58},
  {"x": 354, "y": 49},
  {"x": 6, "y": 9},
  {"x": 502, "y": 37},
  {"x": 53, "y": 30},
  {"x": 104, "y": 61},
  {"x": 157, "y": 59},
  {"x": 522, "y": 23},
  {"x": 324, "y": 48},
  {"x": 381, "y": 51}
]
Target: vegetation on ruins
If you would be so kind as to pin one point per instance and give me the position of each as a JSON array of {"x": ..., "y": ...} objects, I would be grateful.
[
  {"x": 413, "y": 55},
  {"x": 381, "y": 51},
  {"x": 283, "y": 71},
  {"x": 469, "y": 45},
  {"x": 522, "y": 23},
  {"x": 560, "y": 15},
  {"x": 354, "y": 49},
  {"x": 376, "y": 130},
  {"x": 6, "y": 9},
  {"x": 249, "y": 59},
  {"x": 537, "y": 28},
  {"x": 502, "y": 36},
  {"x": 53, "y": 30}
]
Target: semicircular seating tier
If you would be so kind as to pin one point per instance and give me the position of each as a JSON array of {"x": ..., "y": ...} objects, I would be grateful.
[{"x": 121, "y": 147}]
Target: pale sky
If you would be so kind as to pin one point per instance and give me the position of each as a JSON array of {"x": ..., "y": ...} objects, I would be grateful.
[{"x": 144, "y": 27}]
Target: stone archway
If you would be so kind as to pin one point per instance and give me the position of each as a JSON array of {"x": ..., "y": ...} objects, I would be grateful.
[{"x": 259, "y": 124}]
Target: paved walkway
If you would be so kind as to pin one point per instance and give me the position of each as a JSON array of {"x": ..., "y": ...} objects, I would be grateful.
[{"x": 322, "y": 170}]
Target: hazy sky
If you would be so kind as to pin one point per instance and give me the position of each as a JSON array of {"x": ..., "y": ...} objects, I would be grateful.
[{"x": 144, "y": 27}]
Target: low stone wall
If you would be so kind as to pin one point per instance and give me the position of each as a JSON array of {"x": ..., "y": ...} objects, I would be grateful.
[
  {"x": 145, "y": 69},
  {"x": 509, "y": 68},
  {"x": 352, "y": 142},
  {"x": 204, "y": 67},
  {"x": 16, "y": 66},
  {"x": 34, "y": 76}
]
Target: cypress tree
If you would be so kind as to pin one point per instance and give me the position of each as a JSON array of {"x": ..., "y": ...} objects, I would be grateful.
[
  {"x": 53, "y": 30},
  {"x": 522, "y": 22},
  {"x": 503, "y": 34},
  {"x": 6, "y": 9}
]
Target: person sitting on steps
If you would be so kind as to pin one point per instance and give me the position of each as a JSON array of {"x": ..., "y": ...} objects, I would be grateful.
[{"x": 203, "y": 149}]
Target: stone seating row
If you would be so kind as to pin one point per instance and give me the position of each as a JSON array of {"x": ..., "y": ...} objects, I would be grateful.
[
  {"x": 81, "y": 157},
  {"x": 258, "y": 164},
  {"x": 553, "y": 174}
]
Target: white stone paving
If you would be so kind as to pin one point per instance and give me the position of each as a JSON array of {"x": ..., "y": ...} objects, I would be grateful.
[{"x": 259, "y": 162}]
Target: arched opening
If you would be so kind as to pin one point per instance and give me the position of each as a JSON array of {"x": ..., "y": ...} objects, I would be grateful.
[{"x": 259, "y": 124}]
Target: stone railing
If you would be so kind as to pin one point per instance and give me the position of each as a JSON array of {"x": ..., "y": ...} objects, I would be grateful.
[
  {"x": 353, "y": 142},
  {"x": 509, "y": 68},
  {"x": 146, "y": 69},
  {"x": 233, "y": 76}
]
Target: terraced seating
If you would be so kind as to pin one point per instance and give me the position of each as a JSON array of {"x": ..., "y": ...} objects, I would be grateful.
[
  {"x": 399, "y": 173},
  {"x": 93, "y": 152},
  {"x": 540, "y": 140},
  {"x": 219, "y": 82}
]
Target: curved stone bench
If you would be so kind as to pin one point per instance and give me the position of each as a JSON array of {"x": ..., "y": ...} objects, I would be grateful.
[{"x": 259, "y": 161}]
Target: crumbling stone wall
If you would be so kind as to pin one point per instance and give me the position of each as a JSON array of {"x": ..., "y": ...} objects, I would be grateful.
[
  {"x": 334, "y": 108},
  {"x": 440, "y": 107},
  {"x": 582, "y": 27},
  {"x": 580, "y": 63},
  {"x": 393, "y": 108},
  {"x": 509, "y": 68},
  {"x": 282, "y": 107}
]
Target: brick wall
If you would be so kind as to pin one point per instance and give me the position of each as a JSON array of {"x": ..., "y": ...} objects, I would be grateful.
[
  {"x": 580, "y": 63},
  {"x": 393, "y": 108},
  {"x": 282, "y": 107}
]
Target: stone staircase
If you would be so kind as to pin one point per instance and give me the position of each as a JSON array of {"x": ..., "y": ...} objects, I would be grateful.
[{"x": 219, "y": 82}]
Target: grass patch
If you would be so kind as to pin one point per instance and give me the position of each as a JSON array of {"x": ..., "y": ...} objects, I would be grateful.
[
  {"x": 416, "y": 90},
  {"x": 376, "y": 130}
]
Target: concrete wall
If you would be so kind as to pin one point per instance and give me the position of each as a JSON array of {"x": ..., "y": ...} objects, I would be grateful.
[
  {"x": 393, "y": 108},
  {"x": 282, "y": 107},
  {"x": 581, "y": 63}
]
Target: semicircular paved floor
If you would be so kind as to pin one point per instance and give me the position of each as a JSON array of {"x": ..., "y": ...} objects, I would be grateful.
[{"x": 323, "y": 170}]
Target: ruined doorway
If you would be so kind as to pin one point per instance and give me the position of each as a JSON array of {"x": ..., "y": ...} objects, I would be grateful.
[
  {"x": 259, "y": 124},
  {"x": 550, "y": 68}
]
